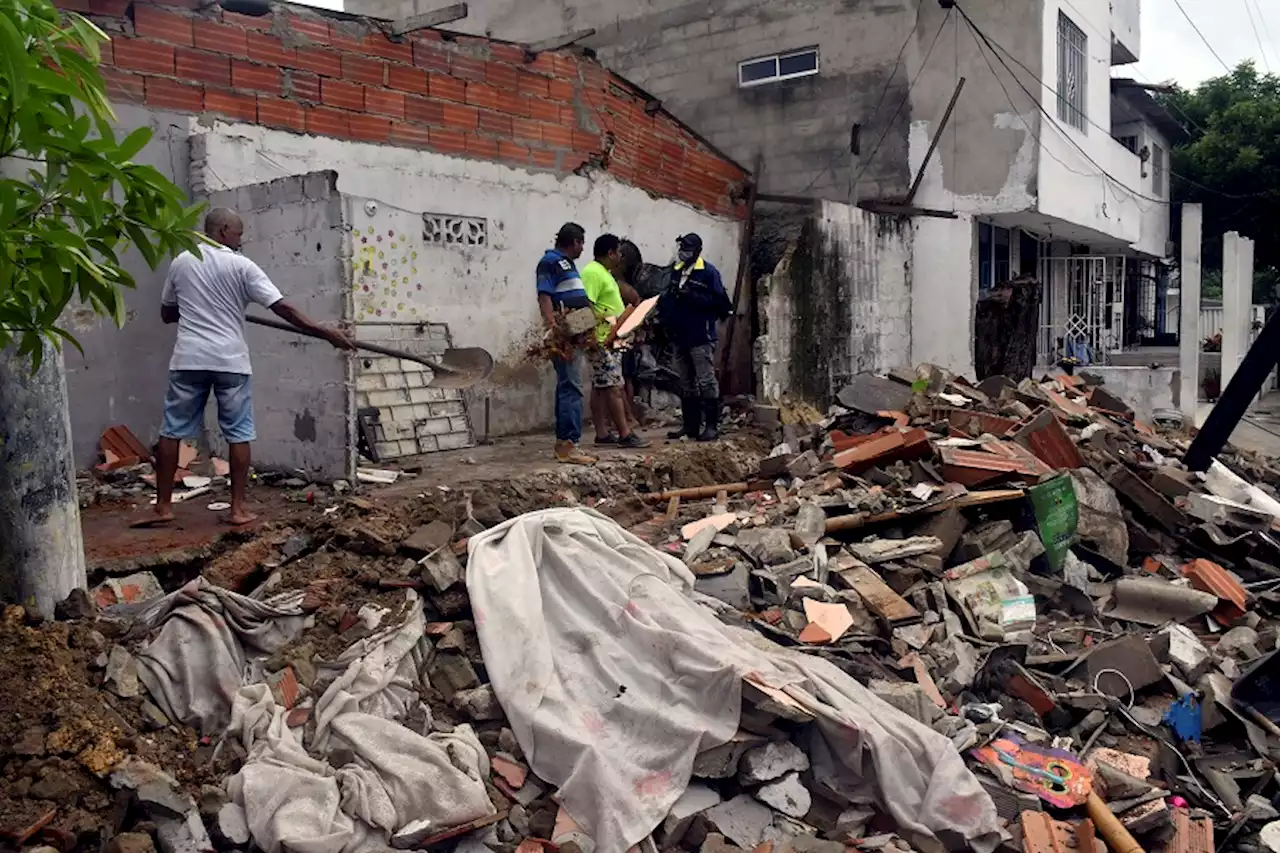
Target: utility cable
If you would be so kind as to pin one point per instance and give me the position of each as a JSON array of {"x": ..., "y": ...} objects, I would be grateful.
[
  {"x": 997, "y": 49},
  {"x": 906, "y": 97},
  {"x": 1254, "y": 24},
  {"x": 1178, "y": 3},
  {"x": 1265, "y": 28}
]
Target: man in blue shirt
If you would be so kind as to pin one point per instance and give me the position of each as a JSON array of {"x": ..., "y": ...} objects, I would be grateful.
[
  {"x": 560, "y": 288},
  {"x": 689, "y": 309}
]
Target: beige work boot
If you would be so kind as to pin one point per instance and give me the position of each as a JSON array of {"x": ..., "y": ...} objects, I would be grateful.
[{"x": 568, "y": 452}]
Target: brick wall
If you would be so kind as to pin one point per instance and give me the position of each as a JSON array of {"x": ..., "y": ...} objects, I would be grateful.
[{"x": 303, "y": 71}]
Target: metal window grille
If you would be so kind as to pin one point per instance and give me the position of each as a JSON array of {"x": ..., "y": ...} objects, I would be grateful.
[
  {"x": 780, "y": 66},
  {"x": 1073, "y": 73},
  {"x": 1157, "y": 169}
]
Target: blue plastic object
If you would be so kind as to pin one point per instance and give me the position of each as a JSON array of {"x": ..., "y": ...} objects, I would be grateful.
[{"x": 1183, "y": 717}]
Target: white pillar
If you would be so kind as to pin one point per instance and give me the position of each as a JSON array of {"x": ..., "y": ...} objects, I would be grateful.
[
  {"x": 1189, "y": 328},
  {"x": 1237, "y": 299}
]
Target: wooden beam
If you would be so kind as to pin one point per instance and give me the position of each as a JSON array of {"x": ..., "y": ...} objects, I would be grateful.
[
  {"x": 434, "y": 18},
  {"x": 556, "y": 42},
  {"x": 773, "y": 198},
  {"x": 897, "y": 208},
  {"x": 933, "y": 144}
]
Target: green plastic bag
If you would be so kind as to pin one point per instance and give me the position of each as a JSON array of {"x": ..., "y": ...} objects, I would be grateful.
[{"x": 1057, "y": 513}]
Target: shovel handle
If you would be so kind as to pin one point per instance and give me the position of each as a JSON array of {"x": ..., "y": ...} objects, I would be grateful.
[{"x": 367, "y": 347}]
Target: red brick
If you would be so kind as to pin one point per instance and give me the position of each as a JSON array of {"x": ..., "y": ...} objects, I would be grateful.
[
  {"x": 525, "y": 130},
  {"x": 318, "y": 60},
  {"x": 243, "y": 107},
  {"x": 81, "y": 6},
  {"x": 142, "y": 55},
  {"x": 511, "y": 151},
  {"x": 557, "y": 136},
  {"x": 154, "y": 22},
  {"x": 256, "y": 78},
  {"x": 370, "y": 128},
  {"x": 327, "y": 122},
  {"x": 560, "y": 90},
  {"x": 501, "y": 75},
  {"x": 544, "y": 64},
  {"x": 364, "y": 69},
  {"x": 412, "y": 135},
  {"x": 170, "y": 94},
  {"x": 565, "y": 66},
  {"x": 384, "y": 102},
  {"x": 446, "y": 88},
  {"x": 545, "y": 111},
  {"x": 532, "y": 84},
  {"x": 379, "y": 45},
  {"x": 482, "y": 95},
  {"x": 316, "y": 31},
  {"x": 427, "y": 36},
  {"x": 339, "y": 93},
  {"x": 466, "y": 67},
  {"x": 423, "y": 110},
  {"x": 109, "y": 8},
  {"x": 346, "y": 37},
  {"x": 407, "y": 79},
  {"x": 478, "y": 146},
  {"x": 265, "y": 47},
  {"x": 221, "y": 38},
  {"x": 572, "y": 161},
  {"x": 121, "y": 86},
  {"x": 432, "y": 57},
  {"x": 513, "y": 104},
  {"x": 448, "y": 140},
  {"x": 456, "y": 115},
  {"x": 544, "y": 159},
  {"x": 197, "y": 65},
  {"x": 277, "y": 112},
  {"x": 569, "y": 116},
  {"x": 302, "y": 85},
  {"x": 512, "y": 54},
  {"x": 106, "y": 56},
  {"x": 583, "y": 141},
  {"x": 495, "y": 123},
  {"x": 249, "y": 22}
]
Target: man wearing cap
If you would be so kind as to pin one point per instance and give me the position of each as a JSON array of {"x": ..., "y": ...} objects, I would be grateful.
[
  {"x": 560, "y": 288},
  {"x": 689, "y": 309}
]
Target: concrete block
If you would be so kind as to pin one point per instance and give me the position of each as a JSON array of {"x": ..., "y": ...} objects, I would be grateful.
[
  {"x": 434, "y": 426},
  {"x": 479, "y": 704},
  {"x": 421, "y": 395},
  {"x": 421, "y": 411},
  {"x": 319, "y": 186},
  {"x": 395, "y": 380},
  {"x": 459, "y": 424},
  {"x": 411, "y": 447},
  {"x": 388, "y": 449},
  {"x": 771, "y": 761},
  {"x": 411, "y": 366},
  {"x": 370, "y": 382},
  {"x": 415, "y": 380},
  {"x": 387, "y": 399},
  {"x": 695, "y": 799},
  {"x": 402, "y": 414},
  {"x": 787, "y": 795},
  {"x": 448, "y": 409},
  {"x": 743, "y": 820}
]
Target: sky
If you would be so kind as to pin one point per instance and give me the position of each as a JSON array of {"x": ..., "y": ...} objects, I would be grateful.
[{"x": 1171, "y": 50}]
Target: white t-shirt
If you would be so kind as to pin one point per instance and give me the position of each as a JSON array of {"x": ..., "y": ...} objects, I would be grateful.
[{"x": 211, "y": 294}]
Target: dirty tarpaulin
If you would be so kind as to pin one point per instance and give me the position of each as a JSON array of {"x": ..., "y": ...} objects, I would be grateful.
[{"x": 614, "y": 676}]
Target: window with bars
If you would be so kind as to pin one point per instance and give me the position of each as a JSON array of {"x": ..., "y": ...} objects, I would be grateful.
[
  {"x": 1157, "y": 169},
  {"x": 1073, "y": 73}
]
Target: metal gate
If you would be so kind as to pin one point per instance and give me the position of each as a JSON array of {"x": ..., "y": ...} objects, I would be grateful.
[{"x": 1082, "y": 313}]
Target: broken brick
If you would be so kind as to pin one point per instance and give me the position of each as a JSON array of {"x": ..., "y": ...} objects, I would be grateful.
[{"x": 1208, "y": 576}]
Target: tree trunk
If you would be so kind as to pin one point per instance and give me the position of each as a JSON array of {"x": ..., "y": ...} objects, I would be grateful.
[{"x": 41, "y": 549}]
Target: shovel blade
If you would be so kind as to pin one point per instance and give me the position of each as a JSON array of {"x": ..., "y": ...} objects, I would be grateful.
[{"x": 461, "y": 368}]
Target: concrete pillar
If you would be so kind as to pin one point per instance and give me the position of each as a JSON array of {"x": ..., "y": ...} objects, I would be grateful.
[
  {"x": 41, "y": 550},
  {"x": 1237, "y": 301},
  {"x": 1189, "y": 328}
]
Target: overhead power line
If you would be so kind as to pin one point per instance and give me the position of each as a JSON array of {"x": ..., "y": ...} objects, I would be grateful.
[
  {"x": 998, "y": 49},
  {"x": 1265, "y": 27},
  {"x": 1254, "y": 24},
  {"x": 1178, "y": 3}
]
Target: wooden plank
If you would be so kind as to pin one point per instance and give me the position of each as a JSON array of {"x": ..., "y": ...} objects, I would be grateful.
[
  {"x": 434, "y": 18},
  {"x": 557, "y": 42},
  {"x": 879, "y": 598}
]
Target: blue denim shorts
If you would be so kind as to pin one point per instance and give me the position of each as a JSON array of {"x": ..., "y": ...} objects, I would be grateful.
[{"x": 189, "y": 390}]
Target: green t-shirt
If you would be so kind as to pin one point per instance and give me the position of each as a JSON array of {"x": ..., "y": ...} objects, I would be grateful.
[{"x": 604, "y": 294}]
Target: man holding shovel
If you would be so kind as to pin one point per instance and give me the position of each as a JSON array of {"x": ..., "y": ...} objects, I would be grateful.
[{"x": 207, "y": 297}]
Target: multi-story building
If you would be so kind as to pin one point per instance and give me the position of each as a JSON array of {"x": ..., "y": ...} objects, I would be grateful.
[{"x": 1047, "y": 165}]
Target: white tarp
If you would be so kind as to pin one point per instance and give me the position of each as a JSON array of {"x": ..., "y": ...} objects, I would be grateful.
[
  {"x": 392, "y": 777},
  {"x": 614, "y": 677}
]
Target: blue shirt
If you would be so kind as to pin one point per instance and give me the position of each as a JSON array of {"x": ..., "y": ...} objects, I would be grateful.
[{"x": 559, "y": 279}]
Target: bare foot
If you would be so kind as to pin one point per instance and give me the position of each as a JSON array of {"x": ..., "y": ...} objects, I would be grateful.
[
  {"x": 239, "y": 518},
  {"x": 155, "y": 519}
]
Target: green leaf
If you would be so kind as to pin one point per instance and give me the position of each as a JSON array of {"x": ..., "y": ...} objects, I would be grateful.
[{"x": 13, "y": 70}]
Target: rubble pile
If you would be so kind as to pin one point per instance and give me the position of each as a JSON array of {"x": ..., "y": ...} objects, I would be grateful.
[{"x": 1021, "y": 573}]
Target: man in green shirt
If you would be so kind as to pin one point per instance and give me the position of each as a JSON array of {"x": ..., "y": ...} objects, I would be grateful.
[{"x": 607, "y": 402}]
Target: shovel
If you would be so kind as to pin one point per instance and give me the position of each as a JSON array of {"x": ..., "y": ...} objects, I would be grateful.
[{"x": 455, "y": 369}]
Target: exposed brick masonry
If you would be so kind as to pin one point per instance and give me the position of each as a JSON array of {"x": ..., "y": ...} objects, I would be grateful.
[{"x": 299, "y": 70}]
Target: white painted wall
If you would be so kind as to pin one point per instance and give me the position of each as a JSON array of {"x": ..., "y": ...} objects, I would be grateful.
[
  {"x": 1071, "y": 186},
  {"x": 485, "y": 295},
  {"x": 1154, "y": 223},
  {"x": 944, "y": 291},
  {"x": 1126, "y": 25}
]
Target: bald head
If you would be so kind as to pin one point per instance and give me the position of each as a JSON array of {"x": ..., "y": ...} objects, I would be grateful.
[{"x": 225, "y": 226}]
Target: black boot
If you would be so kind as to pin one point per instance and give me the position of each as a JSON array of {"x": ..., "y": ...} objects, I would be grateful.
[
  {"x": 691, "y": 411},
  {"x": 711, "y": 411}
]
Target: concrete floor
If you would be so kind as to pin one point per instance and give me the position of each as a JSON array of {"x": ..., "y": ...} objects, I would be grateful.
[{"x": 1259, "y": 430}]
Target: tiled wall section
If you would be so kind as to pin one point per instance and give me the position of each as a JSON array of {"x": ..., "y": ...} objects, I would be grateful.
[{"x": 414, "y": 418}]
